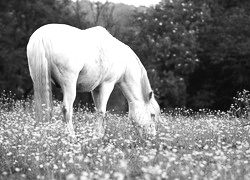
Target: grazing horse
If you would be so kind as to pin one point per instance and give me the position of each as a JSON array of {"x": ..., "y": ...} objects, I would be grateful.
[{"x": 90, "y": 60}]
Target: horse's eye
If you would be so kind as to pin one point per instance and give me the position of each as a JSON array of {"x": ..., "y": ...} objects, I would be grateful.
[{"x": 152, "y": 115}]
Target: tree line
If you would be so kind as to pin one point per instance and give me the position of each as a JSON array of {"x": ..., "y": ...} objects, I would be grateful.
[{"x": 196, "y": 52}]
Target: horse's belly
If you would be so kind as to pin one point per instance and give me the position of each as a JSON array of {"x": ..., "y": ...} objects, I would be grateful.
[
  {"x": 87, "y": 82},
  {"x": 89, "y": 79},
  {"x": 85, "y": 86}
]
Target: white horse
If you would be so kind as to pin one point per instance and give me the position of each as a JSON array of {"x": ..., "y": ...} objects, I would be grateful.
[{"x": 90, "y": 60}]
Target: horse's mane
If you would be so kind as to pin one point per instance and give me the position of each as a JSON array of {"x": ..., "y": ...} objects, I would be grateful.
[
  {"x": 145, "y": 84},
  {"x": 146, "y": 88}
]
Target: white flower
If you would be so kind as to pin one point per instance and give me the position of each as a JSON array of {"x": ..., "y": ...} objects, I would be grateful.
[{"x": 71, "y": 177}]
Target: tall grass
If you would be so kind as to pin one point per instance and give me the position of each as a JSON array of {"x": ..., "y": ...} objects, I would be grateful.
[{"x": 189, "y": 145}]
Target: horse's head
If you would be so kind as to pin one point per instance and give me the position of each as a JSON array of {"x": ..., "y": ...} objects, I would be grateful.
[{"x": 145, "y": 115}]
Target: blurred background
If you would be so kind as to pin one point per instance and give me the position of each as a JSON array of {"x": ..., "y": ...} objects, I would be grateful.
[{"x": 196, "y": 52}]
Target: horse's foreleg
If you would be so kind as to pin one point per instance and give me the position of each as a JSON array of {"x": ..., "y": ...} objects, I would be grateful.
[
  {"x": 69, "y": 94},
  {"x": 100, "y": 96}
]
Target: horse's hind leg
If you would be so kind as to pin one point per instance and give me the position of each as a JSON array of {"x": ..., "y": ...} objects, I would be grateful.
[
  {"x": 100, "y": 96},
  {"x": 69, "y": 94}
]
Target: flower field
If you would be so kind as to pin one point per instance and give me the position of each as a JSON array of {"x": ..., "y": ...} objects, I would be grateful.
[{"x": 189, "y": 145}]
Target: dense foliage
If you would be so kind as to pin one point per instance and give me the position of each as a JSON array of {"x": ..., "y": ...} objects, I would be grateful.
[
  {"x": 224, "y": 56},
  {"x": 168, "y": 46},
  {"x": 18, "y": 20},
  {"x": 196, "y": 52}
]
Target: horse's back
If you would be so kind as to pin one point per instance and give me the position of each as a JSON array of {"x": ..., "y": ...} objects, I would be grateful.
[
  {"x": 93, "y": 55},
  {"x": 95, "y": 43},
  {"x": 58, "y": 41},
  {"x": 56, "y": 35},
  {"x": 113, "y": 51}
]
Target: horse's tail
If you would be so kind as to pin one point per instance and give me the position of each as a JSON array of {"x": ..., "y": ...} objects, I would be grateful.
[{"x": 40, "y": 71}]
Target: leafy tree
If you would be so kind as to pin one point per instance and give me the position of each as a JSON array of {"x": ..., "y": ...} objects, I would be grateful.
[
  {"x": 18, "y": 20},
  {"x": 224, "y": 65},
  {"x": 166, "y": 42}
]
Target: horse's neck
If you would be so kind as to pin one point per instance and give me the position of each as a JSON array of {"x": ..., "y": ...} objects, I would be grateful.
[{"x": 136, "y": 89}]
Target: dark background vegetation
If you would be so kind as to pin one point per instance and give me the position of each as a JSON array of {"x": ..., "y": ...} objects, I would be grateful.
[{"x": 196, "y": 52}]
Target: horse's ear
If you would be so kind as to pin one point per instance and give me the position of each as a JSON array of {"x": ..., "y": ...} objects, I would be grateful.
[{"x": 151, "y": 94}]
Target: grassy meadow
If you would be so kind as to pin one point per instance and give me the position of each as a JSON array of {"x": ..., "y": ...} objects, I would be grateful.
[{"x": 189, "y": 145}]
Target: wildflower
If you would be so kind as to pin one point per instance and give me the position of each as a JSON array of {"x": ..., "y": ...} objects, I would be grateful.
[
  {"x": 63, "y": 165},
  {"x": 119, "y": 176},
  {"x": 106, "y": 176},
  {"x": 37, "y": 158},
  {"x": 9, "y": 154},
  {"x": 206, "y": 147},
  {"x": 71, "y": 160},
  {"x": 55, "y": 167},
  {"x": 62, "y": 171},
  {"x": 37, "y": 135},
  {"x": 123, "y": 163},
  {"x": 109, "y": 148},
  {"x": 39, "y": 177},
  {"x": 84, "y": 176},
  {"x": 86, "y": 160},
  {"x": 145, "y": 158},
  {"x": 71, "y": 177},
  {"x": 17, "y": 169},
  {"x": 23, "y": 176},
  {"x": 175, "y": 150}
]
